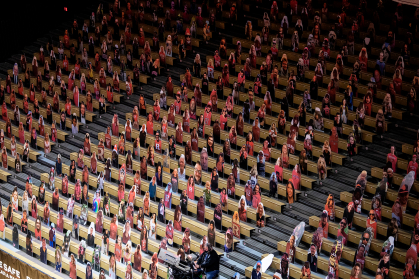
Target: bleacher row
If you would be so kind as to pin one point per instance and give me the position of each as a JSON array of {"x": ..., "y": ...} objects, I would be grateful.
[{"x": 259, "y": 239}]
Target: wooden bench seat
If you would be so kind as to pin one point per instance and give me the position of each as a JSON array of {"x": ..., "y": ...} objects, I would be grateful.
[
  {"x": 36, "y": 245},
  {"x": 397, "y": 180},
  {"x": 408, "y": 220},
  {"x": 275, "y": 152},
  {"x": 33, "y": 154},
  {"x": 294, "y": 271},
  {"x": 74, "y": 245},
  {"x": 329, "y": 124},
  {"x": 279, "y": 94},
  {"x": 269, "y": 167},
  {"x": 61, "y": 135},
  {"x": 407, "y": 148},
  {"x": 4, "y": 175},
  {"x": 354, "y": 237},
  {"x": 322, "y": 262},
  {"x": 361, "y": 221},
  {"x": 161, "y": 229},
  {"x": 113, "y": 190}
]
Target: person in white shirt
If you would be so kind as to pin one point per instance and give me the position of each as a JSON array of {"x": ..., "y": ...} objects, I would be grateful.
[{"x": 181, "y": 172}]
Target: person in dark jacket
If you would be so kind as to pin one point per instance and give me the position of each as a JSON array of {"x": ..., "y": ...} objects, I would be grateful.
[
  {"x": 256, "y": 274},
  {"x": 312, "y": 258},
  {"x": 58, "y": 165},
  {"x": 208, "y": 263},
  {"x": 43, "y": 252},
  {"x": 91, "y": 236}
]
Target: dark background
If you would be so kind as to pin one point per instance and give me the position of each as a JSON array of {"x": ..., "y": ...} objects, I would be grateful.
[{"x": 22, "y": 22}]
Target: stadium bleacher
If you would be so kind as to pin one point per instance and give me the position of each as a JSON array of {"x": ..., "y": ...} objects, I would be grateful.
[{"x": 281, "y": 217}]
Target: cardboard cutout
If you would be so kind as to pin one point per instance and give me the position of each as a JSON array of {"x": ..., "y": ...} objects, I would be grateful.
[
  {"x": 91, "y": 235},
  {"x": 357, "y": 199},
  {"x": 339, "y": 248},
  {"x": 360, "y": 256},
  {"x": 140, "y": 219},
  {"x": 29, "y": 244},
  {"x": 64, "y": 186},
  {"x": 411, "y": 260},
  {"x": 34, "y": 208},
  {"x": 47, "y": 212},
  {"x": 129, "y": 215},
  {"x": 58, "y": 259},
  {"x": 99, "y": 222},
  {"x": 153, "y": 267},
  {"x": 113, "y": 231},
  {"x": 85, "y": 191},
  {"x": 77, "y": 191},
  {"x": 229, "y": 246},
  {"x": 201, "y": 210},
  {"x": 367, "y": 237},
  {"x": 235, "y": 223},
  {"x": 231, "y": 184},
  {"x": 294, "y": 241},
  {"x": 121, "y": 212},
  {"x": 89, "y": 270},
  {"x": 177, "y": 224},
  {"x": 168, "y": 195},
  {"x": 169, "y": 233},
  {"x": 317, "y": 239},
  {"x": 132, "y": 195},
  {"x": 126, "y": 232},
  {"x": 388, "y": 246},
  {"x": 166, "y": 161},
  {"x": 290, "y": 249},
  {"x": 23, "y": 222},
  {"x": 75, "y": 230},
  {"x": 144, "y": 239},
  {"x": 60, "y": 220},
  {"x": 106, "y": 205},
  {"x": 333, "y": 264},
  {"x": 334, "y": 140},
  {"x": 52, "y": 235},
  {"x": 312, "y": 257},
  {"x": 224, "y": 200},
  {"x": 284, "y": 270},
  {"x": 191, "y": 188},
  {"x": 66, "y": 244},
  {"x": 298, "y": 233},
  {"x": 15, "y": 236},
  {"x": 105, "y": 242},
  {"x": 43, "y": 252},
  {"x": 242, "y": 208},
  {"x": 121, "y": 178},
  {"x": 118, "y": 248},
  {"x": 38, "y": 229},
  {"x": 218, "y": 217},
  {"x": 55, "y": 199},
  {"x": 153, "y": 230},
  {"x": 128, "y": 271},
  {"x": 95, "y": 260},
  {"x": 175, "y": 182},
  {"x": 81, "y": 251},
  {"x": 184, "y": 202},
  {"x": 83, "y": 215},
  {"x": 41, "y": 193},
  {"x": 211, "y": 233},
  {"x": 96, "y": 202},
  {"x": 70, "y": 207},
  {"x": 138, "y": 259},
  {"x": 404, "y": 189},
  {"x": 162, "y": 212}
]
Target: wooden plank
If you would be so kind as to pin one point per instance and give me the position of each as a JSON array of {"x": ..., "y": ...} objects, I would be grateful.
[{"x": 408, "y": 220}]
